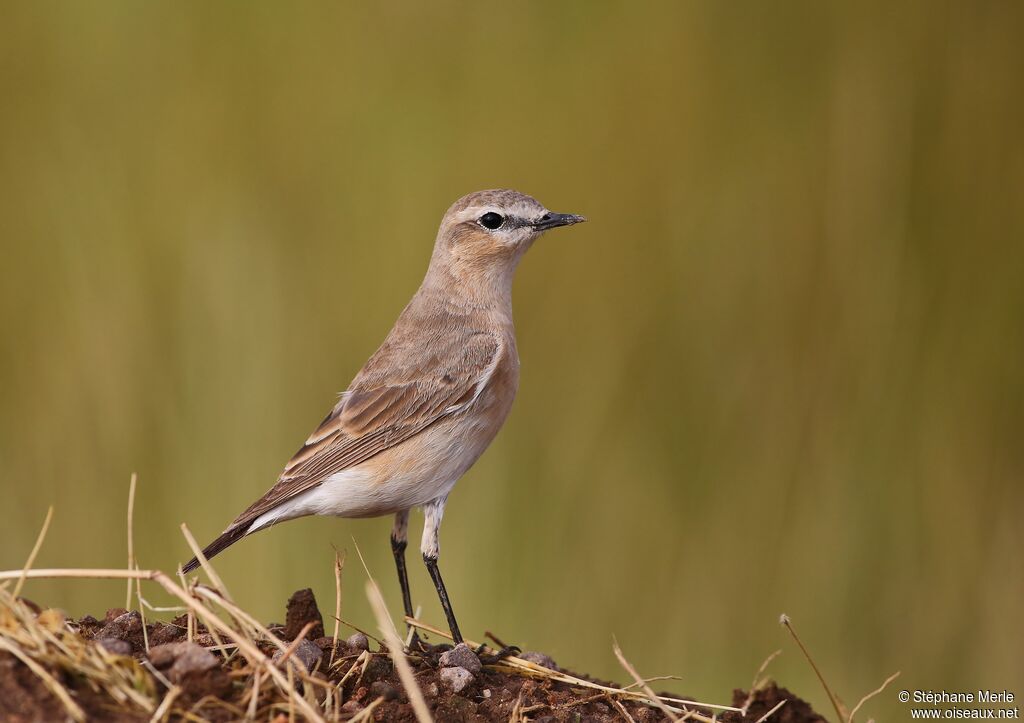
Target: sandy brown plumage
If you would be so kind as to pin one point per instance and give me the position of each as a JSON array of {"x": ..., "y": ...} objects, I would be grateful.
[{"x": 430, "y": 399}]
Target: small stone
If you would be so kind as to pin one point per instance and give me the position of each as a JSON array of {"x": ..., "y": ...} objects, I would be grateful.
[
  {"x": 539, "y": 659},
  {"x": 191, "y": 660},
  {"x": 352, "y": 706},
  {"x": 378, "y": 667},
  {"x": 115, "y": 646},
  {"x": 358, "y": 641},
  {"x": 195, "y": 669},
  {"x": 161, "y": 656},
  {"x": 121, "y": 627},
  {"x": 461, "y": 656},
  {"x": 382, "y": 688},
  {"x": 487, "y": 693},
  {"x": 182, "y": 659},
  {"x": 307, "y": 654},
  {"x": 456, "y": 679},
  {"x": 165, "y": 634}
]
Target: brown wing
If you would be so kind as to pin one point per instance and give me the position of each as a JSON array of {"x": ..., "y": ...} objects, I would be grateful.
[{"x": 387, "y": 404}]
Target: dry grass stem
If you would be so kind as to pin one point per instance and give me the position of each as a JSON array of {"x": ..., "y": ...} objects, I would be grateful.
[
  {"x": 196, "y": 611},
  {"x": 405, "y": 674},
  {"x": 370, "y": 578},
  {"x": 84, "y": 573},
  {"x": 839, "y": 708},
  {"x": 871, "y": 695},
  {"x": 295, "y": 643},
  {"x": 525, "y": 667},
  {"x": 517, "y": 711},
  {"x": 769, "y": 714},
  {"x": 142, "y": 610},
  {"x": 339, "y": 565},
  {"x": 651, "y": 680},
  {"x": 239, "y": 615},
  {"x": 204, "y": 563},
  {"x": 367, "y": 713},
  {"x": 757, "y": 681},
  {"x": 622, "y": 711},
  {"x": 131, "y": 538},
  {"x": 640, "y": 682},
  {"x": 35, "y": 551},
  {"x": 165, "y": 705},
  {"x": 410, "y": 631},
  {"x": 237, "y": 633},
  {"x": 248, "y": 649},
  {"x": 254, "y": 693}
]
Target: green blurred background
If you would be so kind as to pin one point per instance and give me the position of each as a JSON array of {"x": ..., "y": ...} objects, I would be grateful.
[{"x": 779, "y": 371}]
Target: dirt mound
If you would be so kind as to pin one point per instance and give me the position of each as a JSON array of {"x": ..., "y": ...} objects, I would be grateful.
[{"x": 203, "y": 675}]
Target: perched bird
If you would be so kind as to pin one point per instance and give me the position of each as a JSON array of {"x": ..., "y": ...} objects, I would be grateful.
[{"x": 431, "y": 398}]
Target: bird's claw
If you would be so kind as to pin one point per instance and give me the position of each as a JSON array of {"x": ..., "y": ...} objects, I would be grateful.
[
  {"x": 417, "y": 646},
  {"x": 492, "y": 658}
]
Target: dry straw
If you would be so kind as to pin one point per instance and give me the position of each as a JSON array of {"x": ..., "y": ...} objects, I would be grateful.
[
  {"x": 837, "y": 704},
  {"x": 49, "y": 645}
]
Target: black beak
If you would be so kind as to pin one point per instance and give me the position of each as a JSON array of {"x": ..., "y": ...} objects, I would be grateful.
[{"x": 554, "y": 220}]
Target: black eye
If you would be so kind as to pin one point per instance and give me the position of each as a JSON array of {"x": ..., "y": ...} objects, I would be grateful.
[{"x": 491, "y": 220}]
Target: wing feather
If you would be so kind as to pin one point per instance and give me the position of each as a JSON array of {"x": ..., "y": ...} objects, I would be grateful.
[{"x": 380, "y": 411}]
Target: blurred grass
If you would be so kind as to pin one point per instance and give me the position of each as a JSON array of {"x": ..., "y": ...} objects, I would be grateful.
[{"x": 779, "y": 371}]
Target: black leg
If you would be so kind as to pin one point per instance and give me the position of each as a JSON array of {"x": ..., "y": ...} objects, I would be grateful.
[
  {"x": 442, "y": 594},
  {"x": 398, "y": 548}
]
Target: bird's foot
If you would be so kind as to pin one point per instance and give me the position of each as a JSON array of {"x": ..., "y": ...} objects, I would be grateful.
[
  {"x": 492, "y": 658},
  {"x": 418, "y": 646}
]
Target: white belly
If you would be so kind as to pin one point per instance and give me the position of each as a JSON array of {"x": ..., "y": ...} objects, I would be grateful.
[{"x": 416, "y": 472}]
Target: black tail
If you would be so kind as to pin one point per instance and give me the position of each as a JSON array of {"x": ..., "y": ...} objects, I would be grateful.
[{"x": 226, "y": 540}]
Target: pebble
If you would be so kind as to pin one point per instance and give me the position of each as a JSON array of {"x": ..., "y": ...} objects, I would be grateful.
[
  {"x": 461, "y": 656},
  {"x": 456, "y": 679},
  {"x": 162, "y": 656},
  {"x": 115, "y": 646},
  {"x": 539, "y": 659},
  {"x": 121, "y": 627},
  {"x": 307, "y": 653},
  {"x": 358, "y": 641},
  {"x": 382, "y": 688},
  {"x": 192, "y": 667},
  {"x": 183, "y": 659},
  {"x": 192, "y": 660}
]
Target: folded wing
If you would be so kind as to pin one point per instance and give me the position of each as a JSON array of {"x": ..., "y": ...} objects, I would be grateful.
[{"x": 381, "y": 410}]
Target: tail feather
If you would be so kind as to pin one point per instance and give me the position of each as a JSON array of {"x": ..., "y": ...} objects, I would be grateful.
[{"x": 226, "y": 540}]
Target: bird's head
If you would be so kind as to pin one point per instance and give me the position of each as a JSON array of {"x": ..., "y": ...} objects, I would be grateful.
[{"x": 484, "y": 234}]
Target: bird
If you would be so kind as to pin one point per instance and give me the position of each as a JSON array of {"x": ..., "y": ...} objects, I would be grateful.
[{"x": 429, "y": 401}]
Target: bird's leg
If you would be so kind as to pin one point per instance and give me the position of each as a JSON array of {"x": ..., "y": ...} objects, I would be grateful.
[
  {"x": 433, "y": 512},
  {"x": 399, "y": 540}
]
